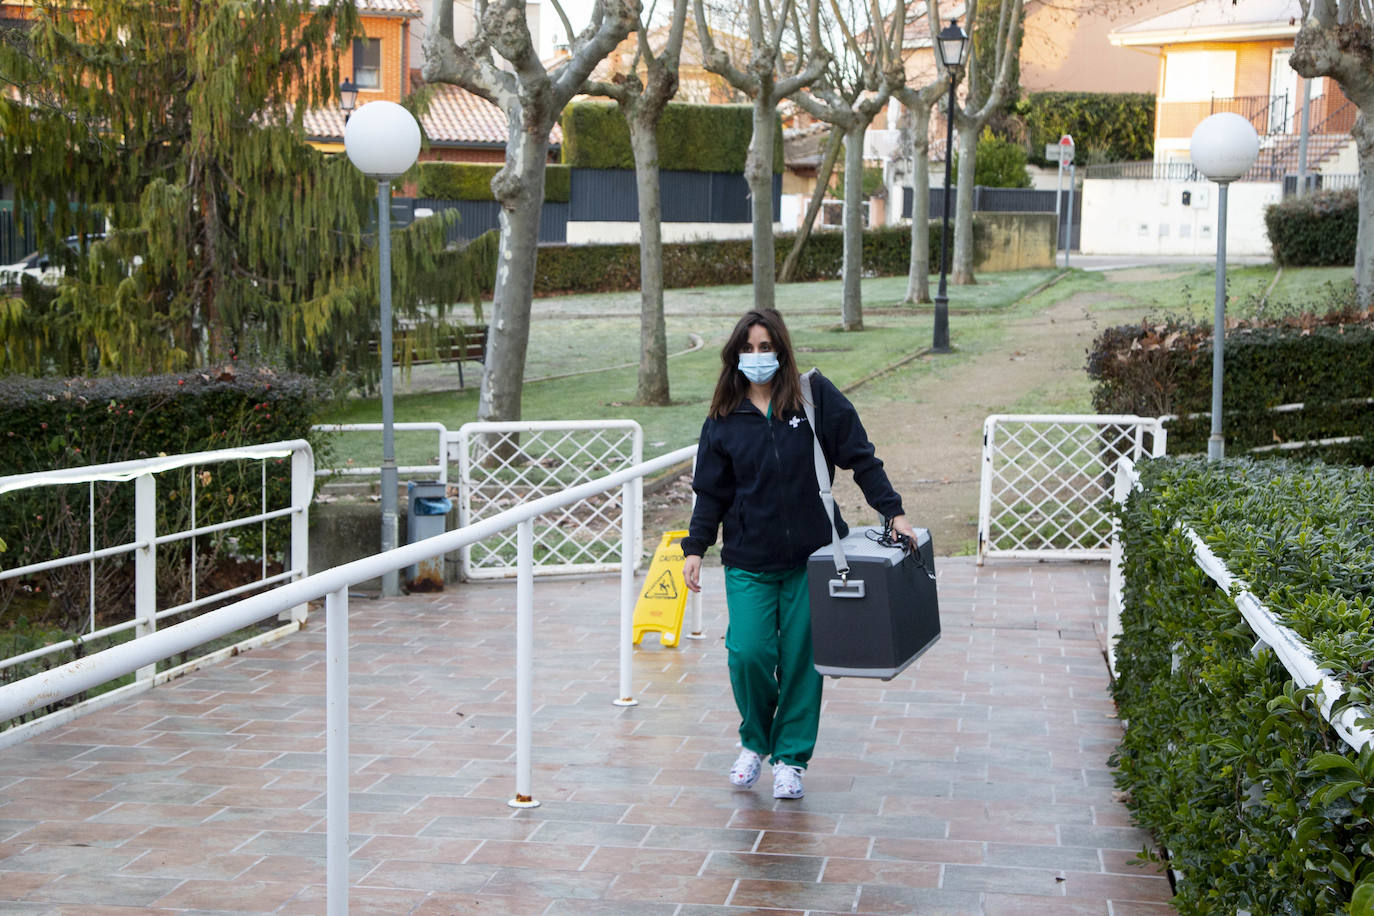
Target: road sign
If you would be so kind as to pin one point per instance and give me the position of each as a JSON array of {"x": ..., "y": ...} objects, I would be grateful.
[{"x": 1052, "y": 152}]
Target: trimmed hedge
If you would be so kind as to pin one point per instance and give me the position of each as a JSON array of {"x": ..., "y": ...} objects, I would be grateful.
[
  {"x": 612, "y": 268},
  {"x": 472, "y": 181},
  {"x": 1325, "y": 363},
  {"x": 1259, "y": 804},
  {"x": 1113, "y": 126},
  {"x": 58, "y": 423},
  {"x": 691, "y": 138},
  {"x": 1315, "y": 230}
]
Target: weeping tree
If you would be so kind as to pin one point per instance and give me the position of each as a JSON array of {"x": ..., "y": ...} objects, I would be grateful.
[
  {"x": 178, "y": 126},
  {"x": 996, "y": 31},
  {"x": 852, "y": 90},
  {"x": 643, "y": 91},
  {"x": 500, "y": 63},
  {"x": 1337, "y": 40},
  {"x": 915, "y": 131},
  {"x": 772, "y": 73}
]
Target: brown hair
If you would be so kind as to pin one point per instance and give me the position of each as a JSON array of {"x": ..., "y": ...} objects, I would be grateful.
[{"x": 732, "y": 387}]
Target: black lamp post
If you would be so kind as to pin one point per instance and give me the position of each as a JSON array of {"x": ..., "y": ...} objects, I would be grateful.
[
  {"x": 951, "y": 44},
  {"x": 348, "y": 98}
]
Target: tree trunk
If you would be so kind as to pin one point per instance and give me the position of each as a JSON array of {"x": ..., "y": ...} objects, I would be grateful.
[
  {"x": 653, "y": 336},
  {"x": 918, "y": 274},
  {"x": 758, "y": 172},
  {"x": 813, "y": 206},
  {"x": 518, "y": 183},
  {"x": 1364, "y": 234},
  {"x": 853, "y": 310},
  {"x": 962, "y": 272}
]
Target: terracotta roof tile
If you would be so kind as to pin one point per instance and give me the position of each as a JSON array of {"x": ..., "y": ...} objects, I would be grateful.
[
  {"x": 408, "y": 8},
  {"x": 456, "y": 117}
]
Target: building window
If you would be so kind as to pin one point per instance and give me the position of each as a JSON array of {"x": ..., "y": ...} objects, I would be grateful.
[
  {"x": 367, "y": 63},
  {"x": 1196, "y": 76}
]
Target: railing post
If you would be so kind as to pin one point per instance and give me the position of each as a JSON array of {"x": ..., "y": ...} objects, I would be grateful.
[
  {"x": 302, "y": 490},
  {"x": 336, "y": 752},
  {"x": 985, "y": 489},
  {"x": 627, "y": 594},
  {"x": 524, "y": 665},
  {"x": 145, "y": 564}
]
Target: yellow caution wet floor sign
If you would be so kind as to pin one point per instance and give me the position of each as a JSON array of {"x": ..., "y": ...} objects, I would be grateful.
[{"x": 664, "y": 597}]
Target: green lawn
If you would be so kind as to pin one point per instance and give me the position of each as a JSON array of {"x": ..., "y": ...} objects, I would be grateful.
[{"x": 573, "y": 339}]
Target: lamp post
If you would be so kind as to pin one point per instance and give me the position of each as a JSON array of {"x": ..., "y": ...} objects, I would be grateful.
[
  {"x": 383, "y": 143},
  {"x": 951, "y": 44},
  {"x": 348, "y": 99},
  {"x": 1223, "y": 148}
]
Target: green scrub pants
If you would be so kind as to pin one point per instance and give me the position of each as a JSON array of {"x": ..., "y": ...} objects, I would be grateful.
[{"x": 777, "y": 689}]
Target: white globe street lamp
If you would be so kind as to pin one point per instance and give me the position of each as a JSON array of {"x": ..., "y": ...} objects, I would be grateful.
[
  {"x": 1224, "y": 146},
  {"x": 383, "y": 140}
]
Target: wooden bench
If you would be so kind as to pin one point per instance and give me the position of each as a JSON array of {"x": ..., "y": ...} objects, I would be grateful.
[{"x": 470, "y": 348}]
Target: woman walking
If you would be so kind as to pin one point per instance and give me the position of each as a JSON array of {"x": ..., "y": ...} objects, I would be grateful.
[{"x": 755, "y": 475}]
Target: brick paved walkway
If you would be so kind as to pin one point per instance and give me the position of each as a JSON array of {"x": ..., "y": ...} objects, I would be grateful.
[{"x": 975, "y": 783}]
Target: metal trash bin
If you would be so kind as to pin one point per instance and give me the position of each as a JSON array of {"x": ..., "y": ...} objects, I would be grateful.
[{"x": 427, "y": 512}]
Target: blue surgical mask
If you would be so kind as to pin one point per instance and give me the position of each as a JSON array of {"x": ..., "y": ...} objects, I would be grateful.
[{"x": 758, "y": 367}]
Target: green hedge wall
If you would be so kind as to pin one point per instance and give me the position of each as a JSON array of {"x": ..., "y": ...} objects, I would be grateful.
[
  {"x": 1259, "y": 804},
  {"x": 611, "y": 268},
  {"x": 1113, "y": 126},
  {"x": 472, "y": 181},
  {"x": 1167, "y": 369},
  {"x": 1315, "y": 230},
  {"x": 691, "y": 138},
  {"x": 57, "y": 423}
]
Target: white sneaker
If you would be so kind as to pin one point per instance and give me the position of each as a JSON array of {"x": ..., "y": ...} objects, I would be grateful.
[
  {"x": 787, "y": 781},
  {"x": 745, "y": 772}
]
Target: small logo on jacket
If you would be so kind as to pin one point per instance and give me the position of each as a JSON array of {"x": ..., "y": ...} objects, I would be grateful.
[{"x": 794, "y": 422}]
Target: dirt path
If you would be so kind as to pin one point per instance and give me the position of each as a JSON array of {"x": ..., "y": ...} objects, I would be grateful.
[{"x": 926, "y": 419}]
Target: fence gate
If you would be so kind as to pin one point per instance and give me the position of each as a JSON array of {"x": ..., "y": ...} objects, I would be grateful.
[
  {"x": 1047, "y": 482},
  {"x": 501, "y": 465}
]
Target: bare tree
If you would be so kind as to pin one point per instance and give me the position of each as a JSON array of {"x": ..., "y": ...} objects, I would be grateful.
[
  {"x": 854, "y": 87},
  {"x": 834, "y": 142},
  {"x": 1337, "y": 40},
  {"x": 916, "y": 106},
  {"x": 642, "y": 100},
  {"x": 979, "y": 104},
  {"x": 772, "y": 74},
  {"x": 532, "y": 99}
]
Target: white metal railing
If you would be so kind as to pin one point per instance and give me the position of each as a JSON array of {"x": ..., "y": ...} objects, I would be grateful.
[
  {"x": 1290, "y": 648},
  {"x": 440, "y": 467},
  {"x": 333, "y": 585},
  {"x": 502, "y": 464},
  {"x": 143, "y": 550},
  {"x": 1283, "y": 446},
  {"x": 1046, "y": 485}
]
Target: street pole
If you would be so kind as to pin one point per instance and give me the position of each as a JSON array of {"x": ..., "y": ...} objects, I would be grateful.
[
  {"x": 1068, "y": 236},
  {"x": 1058, "y": 199},
  {"x": 1302, "y": 136},
  {"x": 1216, "y": 445},
  {"x": 390, "y": 580},
  {"x": 940, "y": 343}
]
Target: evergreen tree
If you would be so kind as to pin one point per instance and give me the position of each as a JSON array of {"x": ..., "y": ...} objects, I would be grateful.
[{"x": 179, "y": 125}]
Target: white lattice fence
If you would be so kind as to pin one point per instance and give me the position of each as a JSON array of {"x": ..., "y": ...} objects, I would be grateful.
[
  {"x": 501, "y": 465},
  {"x": 1047, "y": 482}
]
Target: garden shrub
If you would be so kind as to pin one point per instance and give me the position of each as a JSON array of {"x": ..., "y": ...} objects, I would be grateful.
[
  {"x": 999, "y": 164},
  {"x": 1324, "y": 362},
  {"x": 54, "y": 423},
  {"x": 472, "y": 181},
  {"x": 610, "y": 268},
  {"x": 691, "y": 138},
  {"x": 1225, "y": 761},
  {"x": 1110, "y": 126},
  {"x": 1315, "y": 230}
]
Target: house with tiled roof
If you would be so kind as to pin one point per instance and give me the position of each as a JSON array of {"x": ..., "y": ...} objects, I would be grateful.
[{"x": 1215, "y": 55}]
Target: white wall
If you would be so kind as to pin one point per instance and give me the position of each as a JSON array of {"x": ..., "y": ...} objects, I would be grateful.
[
  {"x": 597, "y": 233},
  {"x": 1149, "y": 217}
]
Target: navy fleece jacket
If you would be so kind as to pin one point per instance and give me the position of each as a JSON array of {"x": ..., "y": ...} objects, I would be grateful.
[{"x": 756, "y": 476}]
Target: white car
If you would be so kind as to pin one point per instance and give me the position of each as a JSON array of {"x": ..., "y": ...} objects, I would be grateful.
[{"x": 40, "y": 265}]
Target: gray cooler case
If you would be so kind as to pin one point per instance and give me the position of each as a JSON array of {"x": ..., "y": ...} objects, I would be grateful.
[{"x": 883, "y": 616}]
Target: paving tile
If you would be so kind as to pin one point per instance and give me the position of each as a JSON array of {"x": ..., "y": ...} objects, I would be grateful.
[{"x": 967, "y": 785}]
